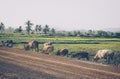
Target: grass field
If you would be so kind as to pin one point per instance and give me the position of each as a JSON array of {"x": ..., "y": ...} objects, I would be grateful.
[
  {"x": 73, "y": 44},
  {"x": 58, "y": 40},
  {"x": 90, "y": 48},
  {"x": 74, "y": 48}
]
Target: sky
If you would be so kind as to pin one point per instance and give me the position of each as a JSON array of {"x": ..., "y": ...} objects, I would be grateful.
[{"x": 61, "y": 14}]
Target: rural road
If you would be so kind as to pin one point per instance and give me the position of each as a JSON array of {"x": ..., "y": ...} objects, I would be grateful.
[{"x": 20, "y": 64}]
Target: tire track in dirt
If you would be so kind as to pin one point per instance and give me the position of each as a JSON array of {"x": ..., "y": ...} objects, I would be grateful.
[
  {"x": 54, "y": 65},
  {"x": 44, "y": 68},
  {"x": 45, "y": 60}
]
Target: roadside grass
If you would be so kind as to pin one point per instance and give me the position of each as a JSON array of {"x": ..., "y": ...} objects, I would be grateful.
[
  {"x": 75, "y": 48},
  {"x": 73, "y": 44},
  {"x": 90, "y": 48},
  {"x": 59, "y": 40}
]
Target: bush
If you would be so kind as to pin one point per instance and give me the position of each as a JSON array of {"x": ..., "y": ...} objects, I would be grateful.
[{"x": 116, "y": 60}]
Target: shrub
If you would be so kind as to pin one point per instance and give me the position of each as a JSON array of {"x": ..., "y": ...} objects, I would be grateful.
[{"x": 116, "y": 60}]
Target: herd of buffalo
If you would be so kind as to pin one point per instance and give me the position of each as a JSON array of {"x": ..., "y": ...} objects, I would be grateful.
[{"x": 49, "y": 48}]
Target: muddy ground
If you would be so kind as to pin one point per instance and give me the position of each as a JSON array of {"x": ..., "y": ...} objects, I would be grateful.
[{"x": 20, "y": 64}]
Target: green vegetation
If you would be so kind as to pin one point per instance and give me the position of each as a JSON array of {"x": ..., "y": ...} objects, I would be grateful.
[
  {"x": 75, "y": 41},
  {"x": 74, "y": 44},
  {"x": 17, "y": 38},
  {"x": 31, "y": 28}
]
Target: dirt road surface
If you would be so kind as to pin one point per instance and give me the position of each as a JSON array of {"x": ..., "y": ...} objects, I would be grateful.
[{"x": 20, "y": 64}]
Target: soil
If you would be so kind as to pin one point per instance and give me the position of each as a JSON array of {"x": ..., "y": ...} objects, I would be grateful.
[{"x": 20, "y": 64}]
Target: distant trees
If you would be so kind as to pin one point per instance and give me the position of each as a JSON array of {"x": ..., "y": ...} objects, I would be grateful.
[
  {"x": 69, "y": 34},
  {"x": 29, "y": 26},
  {"x": 46, "y": 29},
  {"x": 38, "y": 29},
  {"x": 53, "y": 31},
  {"x": 9, "y": 30},
  {"x": 75, "y": 33},
  {"x": 102, "y": 33},
  {"x": 18, "y": 30},
  {"x": 2, "y": 27},
  {"x": 117, "y": 34}
]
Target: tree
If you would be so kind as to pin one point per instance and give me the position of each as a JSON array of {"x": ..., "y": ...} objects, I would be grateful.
[
  {"x": 29, "y": 26},
  {"x": 69, "y": 34},
  {"x": 38, "y": 29},
  {"x": 46, "y": 29},
  {"x": 53, "y": 31},
  {"x": 80, "y": 33},
  {"x": 75, "y": 33},
  {"x": 2, "y": 27},
  {"x": 117, "y": 34},
  {"x": 18, "y": 30},
  {"x": 101, "y": 33},
  {"x": 90, "y": 33},
  {"x": 9, "y": 29}
]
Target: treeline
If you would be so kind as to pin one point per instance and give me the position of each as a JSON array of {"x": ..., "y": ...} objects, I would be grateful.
[{"x": 31, "y": 28}]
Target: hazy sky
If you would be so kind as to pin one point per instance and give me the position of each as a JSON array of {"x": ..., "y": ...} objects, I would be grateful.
[{"x": 62, "y": 14}]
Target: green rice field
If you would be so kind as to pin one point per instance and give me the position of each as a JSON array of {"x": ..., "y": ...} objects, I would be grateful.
[{"x": 73, "y": 44}]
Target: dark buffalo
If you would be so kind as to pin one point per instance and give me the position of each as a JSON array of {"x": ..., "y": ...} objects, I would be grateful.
[
  {"x": 32, "y": 45},
  {"x": 62, "y": 52},
  {"x": 9, "y": 43},
  {"x": 80, "y": 55}
]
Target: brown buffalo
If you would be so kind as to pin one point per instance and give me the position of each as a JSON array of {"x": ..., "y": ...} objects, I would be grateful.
[
  {"x": 62, "y": 52},
  {"x": 48, "y": 48},
  {"x": 32, "y": 45},
  {"x": 1, "y": 43},
  {"x": 104, "y": 54}
]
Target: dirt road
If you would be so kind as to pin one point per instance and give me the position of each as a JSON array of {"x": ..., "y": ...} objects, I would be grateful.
[{"x": 20, "y": 64}]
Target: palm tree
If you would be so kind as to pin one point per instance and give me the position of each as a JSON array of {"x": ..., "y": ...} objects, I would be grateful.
[
  {"x": 29, "y": 26},
  {"x": 2, "y": 27},
  {"x": 46, "y": 29},
  {"x": 38, "y": 28},
  {"x": 53, "y": 31}
]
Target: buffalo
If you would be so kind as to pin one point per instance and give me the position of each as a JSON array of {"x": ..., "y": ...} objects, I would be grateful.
[
  {"x": 104, "y": 54},
  {"x": 1, "y": 43},
  {"x": 9, "y": 43},
  {"x": 62, "y": 52},
  {"x": 80, "y": 55},
  {"x": 32, "y": 45},
  {"x": 48, "y": 48}
]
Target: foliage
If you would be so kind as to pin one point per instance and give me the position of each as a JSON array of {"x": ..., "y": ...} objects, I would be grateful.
[
  {"x": 46, "y": 29},
  {"x": 18, "y": 30},
  {"x": 38, "y": 29},
  {"x": 2, "y": 27},
  {"x": 9, "y": 30},
  {"x": 29, "y": 26},
  {"x": 116, "y": 60},
  {"x": 53, "y": 31},
  {"x": 73, "y": 44}
]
